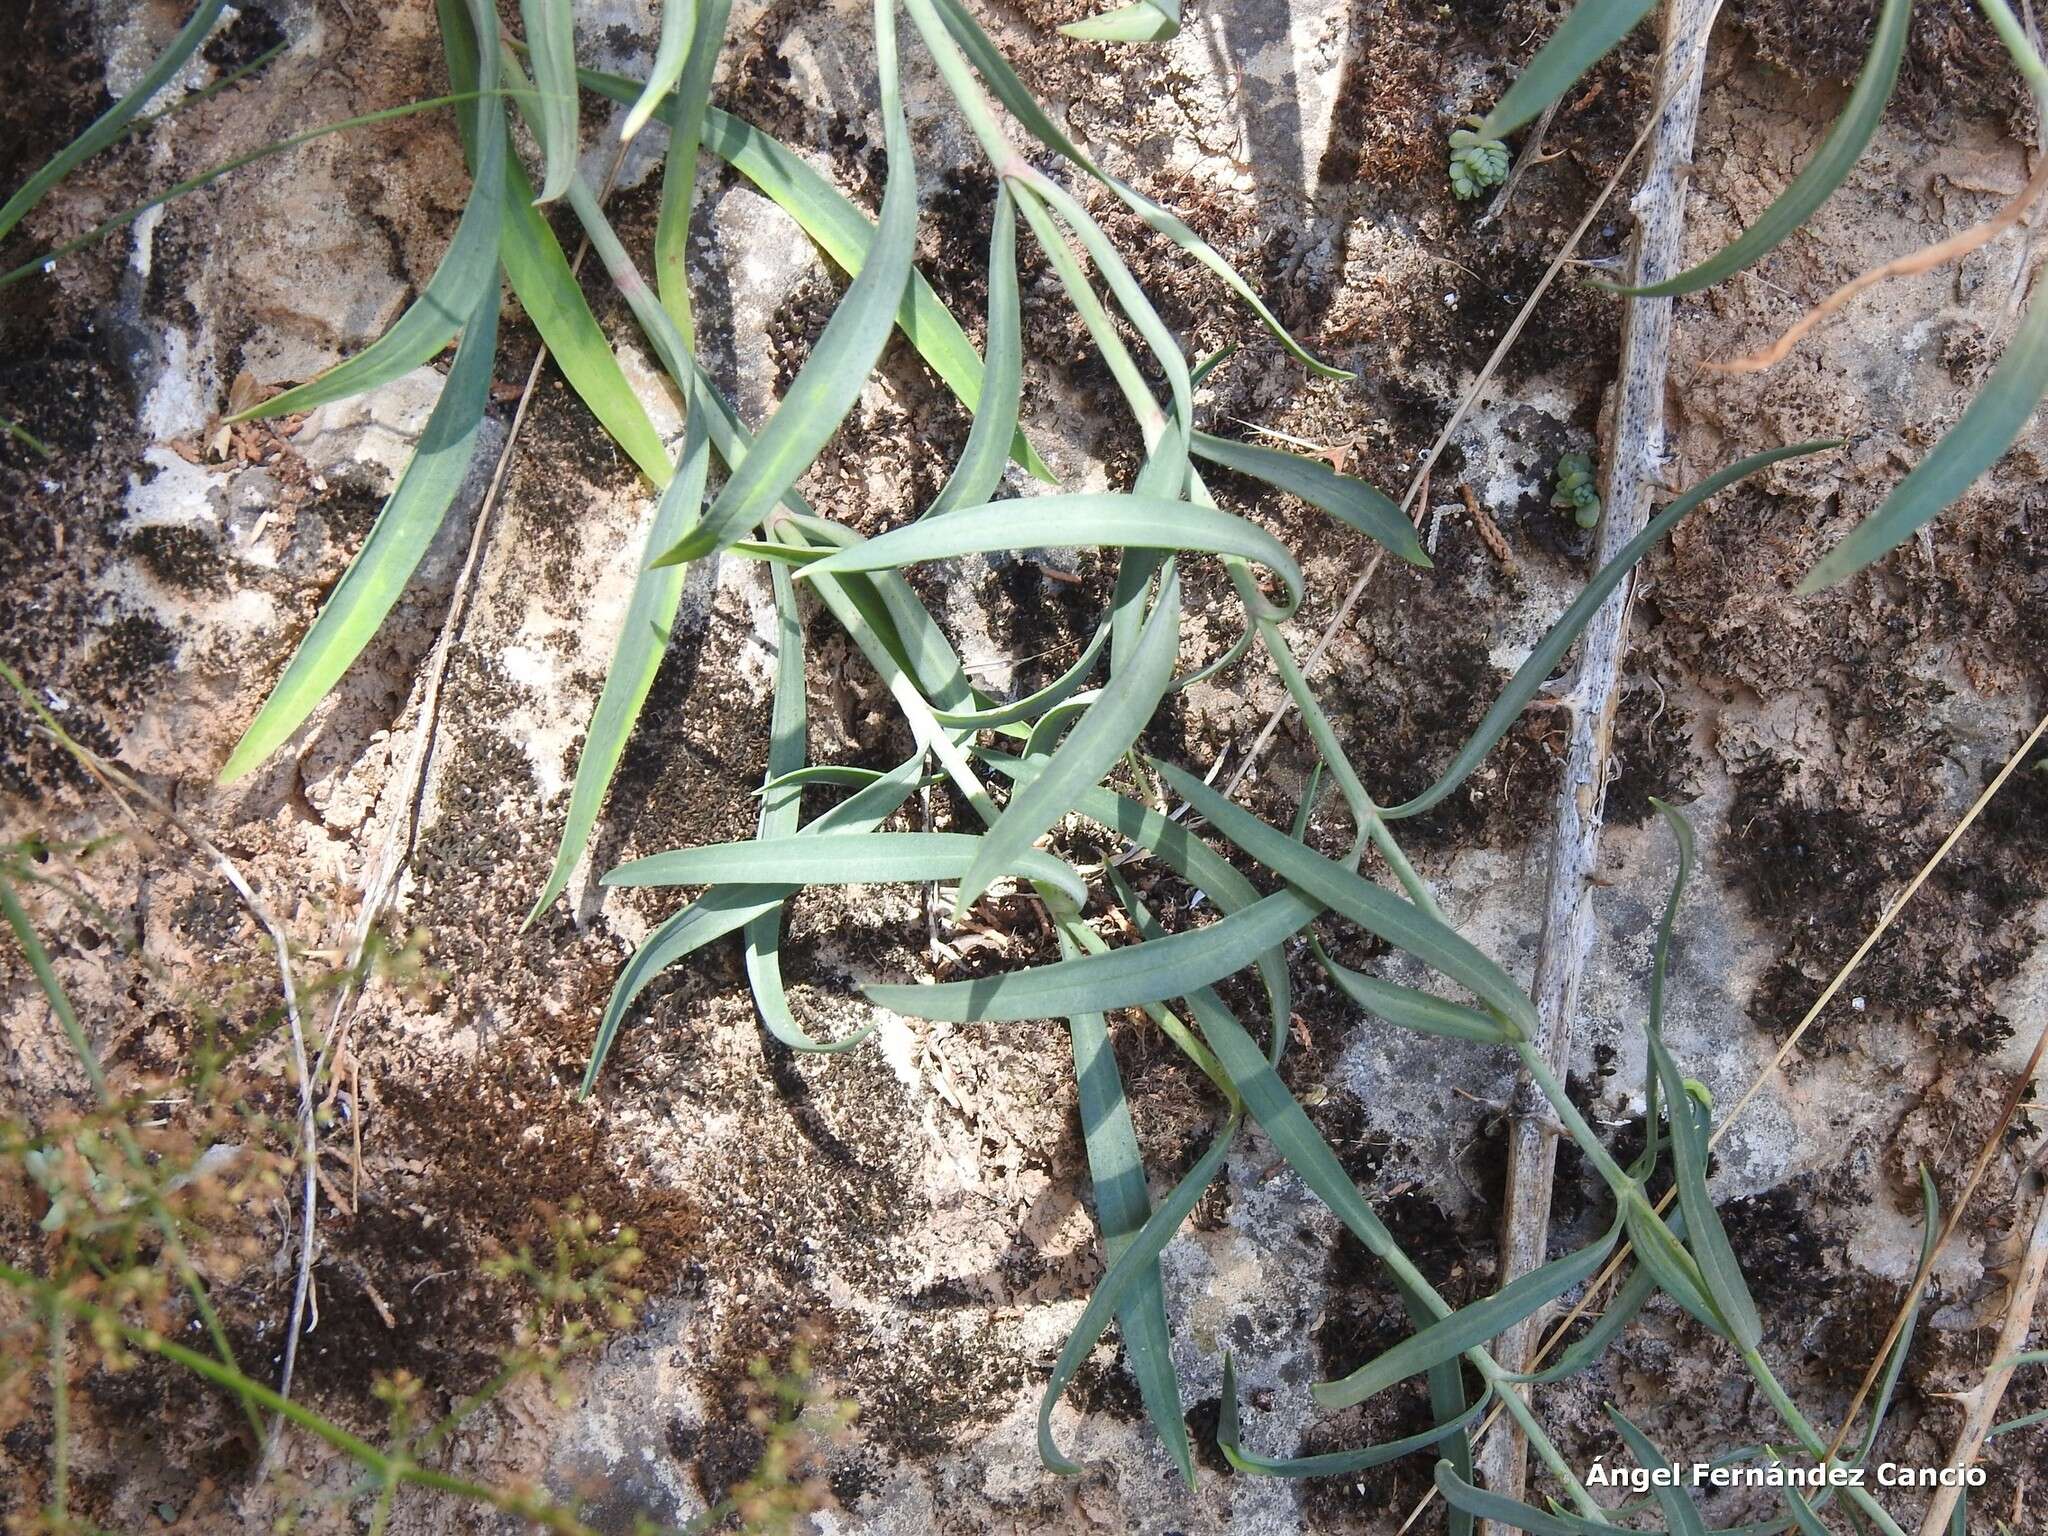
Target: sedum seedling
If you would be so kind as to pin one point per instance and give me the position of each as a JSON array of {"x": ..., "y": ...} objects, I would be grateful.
[
  {"x": 1576, "y": 492},
  {"x": 1478, "y": 161}
]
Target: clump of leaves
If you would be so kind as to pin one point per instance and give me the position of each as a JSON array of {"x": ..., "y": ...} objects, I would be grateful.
[
  {"x": 1478, "y": 161},
  {"x": 1575, "y": 491},
  {"x": 1066, "y": 755}
]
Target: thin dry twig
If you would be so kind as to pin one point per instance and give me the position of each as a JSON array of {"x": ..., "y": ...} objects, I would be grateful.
[
  {"x": 1634, "y": 453},
  {"x": 1533, "y": 154},
  {"x": 1411, "y": 503},
  {"x": 1981, "y": 1401},
  {"x": 2021, "y": 1087},
  {"x": 1926, "y": 259}
]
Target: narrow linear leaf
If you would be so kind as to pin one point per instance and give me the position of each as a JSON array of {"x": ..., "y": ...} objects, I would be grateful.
[
  {"x": 551, "y": 45},
  {"x": 671, "y": 52},
  {"x": 553, "y": 301},
  {"x": 106, "y": 128},
  {"x": 1123, "y": 978},
  {"x": 468, "y": 272},
  {"x": 959, "y": 22},
  {"x": 1969, "y": 448},
  {"x": 1105, "y": 732},
  {"x": 830, "y": 381},
  {"x": 1581, "y": 40},
  {"x": 1620, "y": 1310},
  {"x": 1543, "y": 660},
  {"x": 1672, "y": 1267},
  {"x": 1705, "y": 1237},
  {"x": 1126, "y": 1270},
  {"x": 1374, "y": 908},
  {"x": 724, "y": 908},
  {"x": 1102, "y": 519},
  {"x": 1676, "y": 1508},
  {"x": 837, "y": 858},
  {"x": 1468, "y": 1327},
  {"x": 1163, "y": 476},
  {"x": 636, "y": 658},
  {"x": 1513, "y": 1514},
  {"x": 1056, "y": 692},
  {"x": 781, "y": 812},
  {"x": 684, "y": 113},
  {"x": 1122, "y": 1207},
  {"x": 979, "y": 472},
  {"x": 398, "y": 539},
  {"x": 1143, "y": 21},
  {"x": 1349, "y": 500},
  {"x": 1410, "y": 1008},
  {"x": 844, "y": 233},
  {"x": 1827, "y": 170},
  {"x": 1328, "y": 1463}
]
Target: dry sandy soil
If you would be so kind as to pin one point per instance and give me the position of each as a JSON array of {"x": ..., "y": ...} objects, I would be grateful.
[{"x": 919, "y": 1201}]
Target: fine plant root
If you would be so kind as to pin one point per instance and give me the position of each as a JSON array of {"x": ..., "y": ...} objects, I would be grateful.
[
  {"x": 1633, "y": 455},
  {"x": 1926, "y": 259}
]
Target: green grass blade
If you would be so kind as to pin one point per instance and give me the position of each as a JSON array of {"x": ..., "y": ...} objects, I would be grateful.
[
  {"x": 1543, "y": 660},
  {"x": 979, "y": 473},
  {"x": 1720, "y": 1274},
  {"x": 958, "y": 21},
  {"x": 1965, "y": 451},
  {"x": 781, "y": 811},
  {"x": 1620, "y": 1310},
  {"x": 1204, "y": 868},
  {"x": 830, "y": 381},
  {"x": 553, "y": 301},
  {"x": 1123, "y": 978},
  {"x": 1827, "y": 170},
  {"x": 1058, "y": 691},
  {"x": 1374, "y": 908},
  {"x": 898, "y": 617},
  {"x": 551, "y": 47},
  {"x": 1804, "y": 1516},
  {"x": 1671, "y": 1501},
  {"x": 671, "y": 52},
  {"x": 403, "y": 530},
  {"x": 1676, "y": 1274},
  {"x": 1513, "y": 1514},
  {"x": 1410, "y": 1008},
  {"x": 106, "y": 128},
  {"x": 1328, "y": 1463},
  {"x": 53, "y": 989},
  {"x": 1128, "y": 1269},
  {"x": 838, "y": 858},
  {"x": 1930, "y": 1231},
  {"x": 1110, "y": 727},
  {"x": 844, "y": 233},
  {"x": 1581, "y": 40},
  {"x": 636, "y": 658},
  {"x": 724, "y": 908},
  {"x": 1143, "y": 21},
  {"x": 1467, "y": 1328},
  {"x": 1122, "y": 1207},
  {"x": 1164, "y": 475},
  {"x": 684, "y": 113},
  {"x": 1101, "y": 519},
  {"x": 467, "y": 272},
  {"x": 1349, "y": 500}
]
